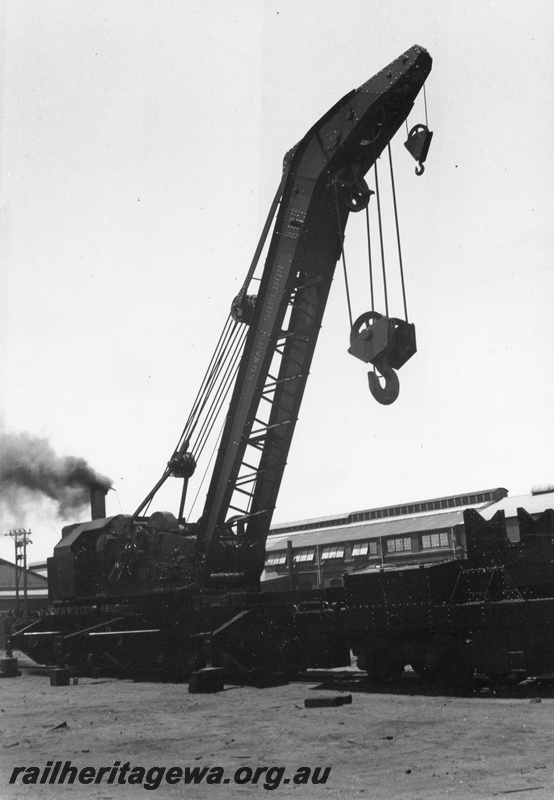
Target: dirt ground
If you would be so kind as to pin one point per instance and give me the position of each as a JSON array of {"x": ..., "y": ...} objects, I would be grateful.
[{"x": 403, "y": 742}]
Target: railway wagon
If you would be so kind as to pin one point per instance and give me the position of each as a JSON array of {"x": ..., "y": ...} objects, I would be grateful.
[{"x": 491, "y": 612}]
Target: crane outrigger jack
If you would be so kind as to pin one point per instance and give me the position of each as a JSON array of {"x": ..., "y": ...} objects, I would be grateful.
[{"x": 165, "y": 577}]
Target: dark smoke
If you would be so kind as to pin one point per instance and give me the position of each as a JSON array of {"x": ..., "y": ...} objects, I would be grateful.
[{"x": 28, "y": 464}]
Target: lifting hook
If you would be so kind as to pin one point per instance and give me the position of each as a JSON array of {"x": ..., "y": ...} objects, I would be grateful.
[
  {"x": 387, "y": 393},
  {"x": 417, "y": 144}
]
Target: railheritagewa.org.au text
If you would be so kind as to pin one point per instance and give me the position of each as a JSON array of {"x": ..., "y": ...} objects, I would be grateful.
[{"x": 65, "y": 773}]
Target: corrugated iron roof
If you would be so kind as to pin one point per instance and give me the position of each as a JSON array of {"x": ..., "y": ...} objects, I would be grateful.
[
  {"x": 397, "y": 526},
  {"x": 445, "y": 502},
  {"x": 532, "y": 503},
  {"x": 8, "y": 577}
]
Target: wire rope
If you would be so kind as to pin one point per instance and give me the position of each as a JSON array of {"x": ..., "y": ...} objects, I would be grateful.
[
  {"x": 214, "y": 384},
  {"x": 207, "y": 381},
  {"x": 205, "y": 473},
  {"x": 425, "y": 105},
  {"x": 382, "y": 244},
  {"x": 343, "y": 257},
  {"x": 398, "y": 234},
  {"x": 371, "y": 291},
  {"x": 219, "y": 398},
  {"x": 218, "y": 378}
]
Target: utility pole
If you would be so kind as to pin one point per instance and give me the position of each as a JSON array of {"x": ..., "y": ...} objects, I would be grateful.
[{"x": 21, "y": 539}]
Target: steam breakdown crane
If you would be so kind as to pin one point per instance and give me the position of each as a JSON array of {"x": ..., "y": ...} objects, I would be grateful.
[
  {"x": 150, "y": 593},
  {"x": 136, "y": 595},
  {"x": 323, "y": 181}
]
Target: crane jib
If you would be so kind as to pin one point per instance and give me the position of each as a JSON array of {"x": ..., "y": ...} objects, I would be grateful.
[{"x": 322, "y": 183}]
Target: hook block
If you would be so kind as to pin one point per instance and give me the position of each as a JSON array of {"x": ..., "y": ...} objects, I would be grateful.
[
  {"x": 375, "y": 337},
  {"x": 418, "y": 143}
]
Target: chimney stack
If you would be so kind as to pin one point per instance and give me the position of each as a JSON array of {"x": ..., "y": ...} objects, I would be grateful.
[{"x": 98, "y": 501}]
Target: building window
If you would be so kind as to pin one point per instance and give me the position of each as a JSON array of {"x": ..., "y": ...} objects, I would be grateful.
[
  {"x": 399, "y": 544},
  {"x": 274, "y": 559},
  {"x": 429, "y": 540},
  {"x": 306, "y": 554},
  {"x": 335, "y": 551},
  {"x": 364, "y": 549}
]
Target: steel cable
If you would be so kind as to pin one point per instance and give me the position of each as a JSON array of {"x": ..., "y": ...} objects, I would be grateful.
[
  {"x": 369, "y": 258},
  {"x": 378, "y": 196},
  {"x": 210, "y": 378},
  {"x": 219, "y": 396},
  {"x": 398, "y": 236},
  {"x": 341, "y": 235}
]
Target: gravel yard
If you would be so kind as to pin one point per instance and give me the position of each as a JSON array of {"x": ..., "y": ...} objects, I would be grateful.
[{"x": 403, "y": 742}]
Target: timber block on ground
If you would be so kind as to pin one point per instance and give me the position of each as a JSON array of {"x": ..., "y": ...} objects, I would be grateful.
[
  {"x": 264, "y": 680},
  {"x": 8, "y": 668},
  {"x": 327, "y": 702},
  {"x": 209, "y": 679},
  {"x": 59, "y": 677}
]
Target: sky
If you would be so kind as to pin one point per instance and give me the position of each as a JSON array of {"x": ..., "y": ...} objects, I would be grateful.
[{"x": 141, "y": 146}]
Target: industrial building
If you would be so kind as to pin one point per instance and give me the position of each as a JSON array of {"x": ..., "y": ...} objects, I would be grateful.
[
  {"x": 315, "y": 553},
  {"x": 21, "y": 588},
  {"x": 323, "y": 549}
]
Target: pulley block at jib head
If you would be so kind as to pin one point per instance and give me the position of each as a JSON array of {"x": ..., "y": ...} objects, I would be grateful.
[
  {"x": 417, "y": 144},
  {"x": 242, "y": 307}
]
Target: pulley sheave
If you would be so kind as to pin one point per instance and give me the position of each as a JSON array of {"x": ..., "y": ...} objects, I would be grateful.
[
  {"x": 182, "y": 463},
  {"x": 242, "y": 307},
  {"x": 352, "y": 189}
]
